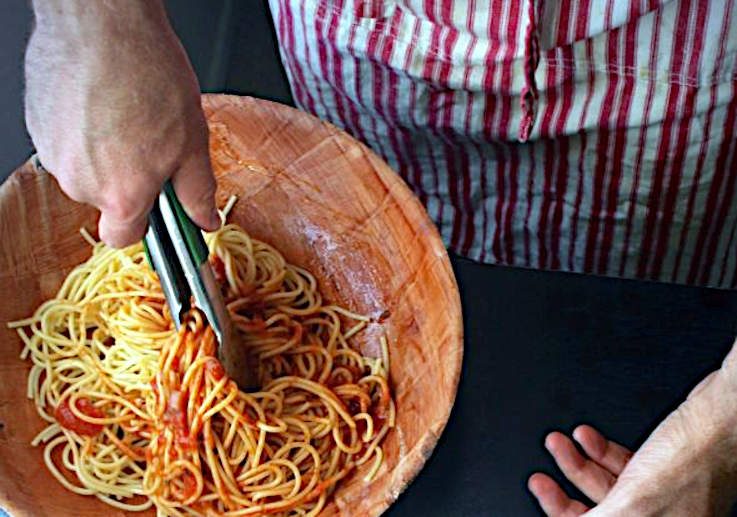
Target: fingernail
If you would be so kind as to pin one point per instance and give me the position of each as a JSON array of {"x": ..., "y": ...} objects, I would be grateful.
[
  {"x": 548, "y": 441},
  {"x": 577, "y": 433}
]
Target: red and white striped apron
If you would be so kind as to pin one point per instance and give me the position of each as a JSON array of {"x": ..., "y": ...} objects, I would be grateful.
[{"x": 595, "y": 136}]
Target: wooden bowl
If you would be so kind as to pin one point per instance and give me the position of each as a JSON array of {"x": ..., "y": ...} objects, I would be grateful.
[{"x": 329, "y": 205}]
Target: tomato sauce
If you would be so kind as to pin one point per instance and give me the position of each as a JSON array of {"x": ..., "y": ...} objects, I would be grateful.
[
  {"x": 175, "y": 416},
  {"x": 215, "y": 369},
  {"x": 353, "y": 407},
  {"x": 380, "y": 412},
  {"x": 218, "y": 270},
  {"x": 68, "y": 420},
  {"x": 189, "y": 485}
]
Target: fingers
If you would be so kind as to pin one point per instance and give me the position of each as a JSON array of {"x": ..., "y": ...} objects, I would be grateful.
[
  {"x": 593, "y": 475},
  {"x": 590, "y": 478},
  {"x": 117, "y": 232},
  {"x": 610, "y": 455},
  {"x": 552, "y": 499},
  {"x": 194, "y": 185},
  {"x": 124, "y": 217},
  {"x": 125, "y": 208}
]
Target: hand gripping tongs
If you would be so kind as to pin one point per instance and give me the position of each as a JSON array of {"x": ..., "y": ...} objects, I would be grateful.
[{"x": 179, "y": 255}]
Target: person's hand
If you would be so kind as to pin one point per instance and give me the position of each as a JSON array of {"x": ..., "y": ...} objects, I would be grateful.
[
  {"x": 113, "y": 108},
  {"x": 593, "y": 471},
  {"x": 686, "y": 468}
]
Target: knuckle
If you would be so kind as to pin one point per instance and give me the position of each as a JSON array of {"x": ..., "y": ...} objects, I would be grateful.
[
  {"x": 577, "y": 472},
  {"x": 124, "y": 207},
  {"x": 117, "y": 236},
  {"x": 116, "y": 239}
]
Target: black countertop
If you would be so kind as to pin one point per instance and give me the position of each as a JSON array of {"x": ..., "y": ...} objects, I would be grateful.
[{"x": 543, "y": 350}]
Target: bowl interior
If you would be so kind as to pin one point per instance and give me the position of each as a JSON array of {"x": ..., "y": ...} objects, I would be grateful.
[{"x": 330, "y": 206}]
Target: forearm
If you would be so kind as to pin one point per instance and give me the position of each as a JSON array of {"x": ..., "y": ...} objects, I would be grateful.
[
  {"x": 720, "y": 394},
  {"x": 98, "y": 33},
  {"x": 95, "y": 19},
  {"x": 710, "y": 410}
]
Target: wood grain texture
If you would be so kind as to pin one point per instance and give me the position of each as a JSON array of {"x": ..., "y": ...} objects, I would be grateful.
[{"x": 329, "y": 205}]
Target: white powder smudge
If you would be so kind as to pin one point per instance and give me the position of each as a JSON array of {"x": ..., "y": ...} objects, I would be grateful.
[
  {"x": 402, "y": 443},
  {"x": 359, "y": 277},
  {"x": 369, "y": 339},
  {"x": 318, "y": 238}
]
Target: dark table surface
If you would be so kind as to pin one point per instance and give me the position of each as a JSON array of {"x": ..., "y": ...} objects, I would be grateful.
[{"x": 543, "y": 350}]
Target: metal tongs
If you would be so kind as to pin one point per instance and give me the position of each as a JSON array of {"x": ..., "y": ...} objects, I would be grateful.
[{"x": 177, "y": 252}]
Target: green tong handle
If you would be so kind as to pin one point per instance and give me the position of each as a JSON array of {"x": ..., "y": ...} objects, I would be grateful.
[
  {"x": 181, "y": 261},
  {"x": 191, "y": 232}
]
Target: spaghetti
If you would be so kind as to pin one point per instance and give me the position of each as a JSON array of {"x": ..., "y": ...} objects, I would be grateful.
[{"x": 140, "y": 415}]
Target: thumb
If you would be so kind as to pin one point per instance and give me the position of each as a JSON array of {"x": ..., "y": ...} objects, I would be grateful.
[
  {"x": 194, "y": 185},
  {"x": 730, "y": 362}
]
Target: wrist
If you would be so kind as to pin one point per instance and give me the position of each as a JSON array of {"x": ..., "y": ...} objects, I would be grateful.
[
  {"x": 693, "y": 452},
  {"x": 710, "y": 413},
  {"x": 712, "y": 408}
]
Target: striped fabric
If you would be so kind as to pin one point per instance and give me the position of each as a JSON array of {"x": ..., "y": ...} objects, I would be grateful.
[{"x": 595, "y": 136}]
